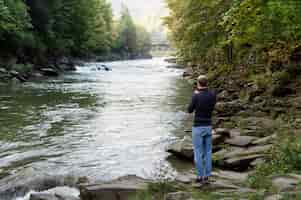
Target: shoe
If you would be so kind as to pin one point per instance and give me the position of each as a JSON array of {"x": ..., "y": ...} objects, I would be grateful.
[
  {"x": 206, "y": 180},
  {"x": 199, "y": 180}
]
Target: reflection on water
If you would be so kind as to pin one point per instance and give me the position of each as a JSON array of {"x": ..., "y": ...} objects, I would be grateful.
[{"x": 93, "y": 123}]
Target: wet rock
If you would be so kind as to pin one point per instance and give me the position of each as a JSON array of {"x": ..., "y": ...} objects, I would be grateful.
[
  {"x": 120, "y": 189},
  {"x": 241, "y": 141},
  {"x": 49, "y": 72},
  {"x": 285, "y": 183},
  {"x": 42, "y": 196},
  {"x": 171, "y": 60},
  {"x": 175, "y": 66},
  {"x": 182, "y": 149},
  {"x": 178, "y": 196},
  {"x": 17, "y": 75},
  {"x": 49, "y": 195},
  {"x": 188, "y": 72},
  {"x": 3, "y": 71}
]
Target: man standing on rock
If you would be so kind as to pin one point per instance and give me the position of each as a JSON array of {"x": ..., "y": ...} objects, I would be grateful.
[{"x": 202, "y": 104}]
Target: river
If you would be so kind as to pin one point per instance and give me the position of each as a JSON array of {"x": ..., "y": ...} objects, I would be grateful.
[{"x": 92, "y": 123}]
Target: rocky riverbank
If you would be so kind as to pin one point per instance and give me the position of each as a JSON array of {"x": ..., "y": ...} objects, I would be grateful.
[
  {"x": 11, "y": 70},
  {"x": 252, "y": 157}
]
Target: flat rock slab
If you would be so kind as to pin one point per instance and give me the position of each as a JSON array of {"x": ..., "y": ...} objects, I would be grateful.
[
  {"x": 182, "y": 148},
  {"x": 217, "y": 185},
  {"x": 243, "y": 162},
  {"x": 230, "y": 175},
  {"x": 186, "y": 178},
  {"x": 241, "y": 141},
  {"x": 265, "y": 140},
  {"x": 120, "y": 189}
]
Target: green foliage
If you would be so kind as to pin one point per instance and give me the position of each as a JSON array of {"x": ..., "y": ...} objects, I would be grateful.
[
  {"x": 34, "y": 30},
  {"x": 14, "y": 23},
  {"x": 210, "y": 34},
  {"x": 285, "y": 157}
]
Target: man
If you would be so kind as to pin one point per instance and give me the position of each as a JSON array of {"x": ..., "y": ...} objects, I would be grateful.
[{"x": 202, "y": 103}]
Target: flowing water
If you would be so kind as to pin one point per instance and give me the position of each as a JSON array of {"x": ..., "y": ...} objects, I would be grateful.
[{"x": 93, "y": 123}]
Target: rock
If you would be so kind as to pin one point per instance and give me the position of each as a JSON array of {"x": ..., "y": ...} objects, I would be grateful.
[
  {"x": 226, "y": 109},
  {"x": 182, "y": 149},
  {"x": 265, "y": 140},
  {"x": 51, "y": 196},
  {"x": 188, "y": 72},
  {"x": 171, "y": 60},
  {"x": 230, "y": 175},
  {"x": 14, "y": 73},
  {"x": 223, "y": 96},
  {"x": 235, "y": 132},
  {"x": 241, "y": 163},
  {"x": 119, "y": 189},
  {"x": 258, "y": 125},
  {"x": 178, "y": 196},
  {"x": 17, "y": 75},
  {"x": 186, "y": 178},
  {"x": 285, "y": 183},
  {"x": 248, "y": 151},
  {"x": 43, "y": 196},
  {"x": 223, "y": 132},
  {"x": 237, "y": 158},
  {"x": 3, "y": 71},
  {"x": 49, "y": 72},
  {"x": 218, "y": 185},
  {"x": 176, "y": 66},
  {"x": 241, "y": 141}
]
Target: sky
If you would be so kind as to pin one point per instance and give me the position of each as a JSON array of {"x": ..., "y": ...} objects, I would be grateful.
[{"x": 146, "y": 13}]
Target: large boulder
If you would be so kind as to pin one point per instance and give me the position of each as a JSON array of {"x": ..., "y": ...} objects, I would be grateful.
[
  {"x": 239, "y": 159},
  {"x": 49, "y": 72},
  {"x": 182, "y": 148},
  {"x": 120, "y": 189},
  {"x": 42, "y": 196}
]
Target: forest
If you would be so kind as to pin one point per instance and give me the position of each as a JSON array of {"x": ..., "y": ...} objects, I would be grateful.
[
  {"x": 35, "y": 32},
  {"x": 224, "y": 36}
]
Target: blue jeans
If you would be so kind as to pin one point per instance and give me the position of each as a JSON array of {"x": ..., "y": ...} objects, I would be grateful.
[{"x": 202, "y": 145}]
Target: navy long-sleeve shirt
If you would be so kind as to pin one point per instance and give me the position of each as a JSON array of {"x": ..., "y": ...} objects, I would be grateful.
[{"x": 202, "y": 103}]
